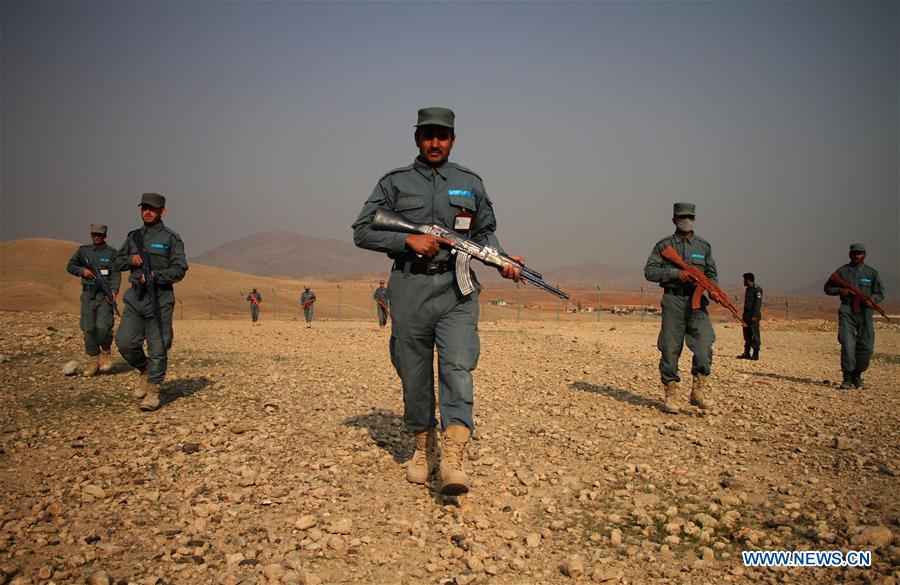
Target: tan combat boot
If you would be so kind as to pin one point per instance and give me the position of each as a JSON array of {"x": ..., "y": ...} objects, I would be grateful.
[
  {"x": 105, "y": 360},
  {"x": 453, "y": 479},
  {"x": 697, "y": 398},
  {"x": 92, "y": 367},
  {"x": 140, "y": 387},
  {"x": 151, "y": 400},
  {"x": 424, "y": 460},
  {"x": 671, "y": 394}
]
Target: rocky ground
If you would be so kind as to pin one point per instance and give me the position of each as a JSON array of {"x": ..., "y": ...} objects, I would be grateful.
[{"x": 277, "y": 458}]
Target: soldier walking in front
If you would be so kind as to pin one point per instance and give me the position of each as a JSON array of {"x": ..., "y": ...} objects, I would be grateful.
[
  {"x": 680, "y": 323},
  {"x": 254, "y": 298},
  {"x": 97, "y": 318},
  {"x": 382, "y": 302},
  {"x": 428, "y": 309},
  {"x": 856, "y": 327},
  {"x": 307, "y": 300},
  {"x": 753, "y": 295},
  {"x": 143, "y": 319}
]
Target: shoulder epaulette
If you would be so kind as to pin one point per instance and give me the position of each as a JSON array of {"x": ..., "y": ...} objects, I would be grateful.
[
  {"x": 395, "y": 171},
  {"x": 465, "y": 170}
]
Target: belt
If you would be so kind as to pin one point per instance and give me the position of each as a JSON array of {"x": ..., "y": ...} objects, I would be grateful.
[
  {"x": 158, "y": 286},
  {"x": 434, "y": 267},
  {"x": 679, "y": 292}
]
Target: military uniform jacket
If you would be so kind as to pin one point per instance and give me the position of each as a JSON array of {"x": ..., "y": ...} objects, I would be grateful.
[
  {"x": 863, "y": 277},
  {"x": 429, "y": 195},
  {"x": 166, "y": 251},
  {"x": 753, "y": 300},
  {"x": 255, "y": 295},
  {"x": 693, "y": 249},
  {"x": 381, "y": 295},
  {"x": 103, "y": 258},
  {"x": 306, "y": 296}
]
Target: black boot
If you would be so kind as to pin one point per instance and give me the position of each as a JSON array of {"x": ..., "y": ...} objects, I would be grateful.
[
  {"x": 755, "y": 356},
  {"x": 746, "y": 354},
  {"x": 857, "y": 381},
  {"x": 848, "y": 381}
]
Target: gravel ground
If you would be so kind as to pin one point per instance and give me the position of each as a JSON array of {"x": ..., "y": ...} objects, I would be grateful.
[{"x": 277, "y": 457}]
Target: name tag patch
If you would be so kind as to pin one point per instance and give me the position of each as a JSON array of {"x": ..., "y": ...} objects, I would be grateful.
[
  {"x": 462, "y": 223},
  {"x": 160, "y": 246},
  {"x": 104, "y": 272},
  {"x": 698, "y": 256},
  {"x": 461, "y": 193},
  {"x": 865, "y": 281}
]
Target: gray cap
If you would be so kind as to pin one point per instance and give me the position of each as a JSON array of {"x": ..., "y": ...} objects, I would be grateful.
[
  {"x": 98, "y": 228},
  {"x": 436, "y": 117},
  {"x": 683, "y": 208},
  {"x": 857, "y": 247},
  {"x": 153, "y": 200}
]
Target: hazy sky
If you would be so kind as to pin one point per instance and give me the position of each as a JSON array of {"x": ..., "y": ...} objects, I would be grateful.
[{"x": 586, "y": 121}]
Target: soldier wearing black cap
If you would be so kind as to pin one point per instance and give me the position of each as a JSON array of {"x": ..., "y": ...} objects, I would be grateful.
[
  {"x": 856, "y": 330},
  {"x": 680, "y": 323},
  {"x": 168, "y": 265},
  {"x": 97, "y": 317},
  {"x": 752, "y": 315},
  {"x": 382, "y": 302},
  {"x": 427, "y": 307}
]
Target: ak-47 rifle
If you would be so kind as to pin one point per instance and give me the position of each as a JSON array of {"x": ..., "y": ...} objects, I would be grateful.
[
  {"x": 466, "y": 249},
  {"x": 859, "y": 297},
  {"x": 307, "y": 302},
  {"x": 150, "y": 285},
  {"x": 254, "y": 301},
  {"x": 100, "y": 282},
  {"x": 701, "y": 283},
  {"x": 381, "y": 303}
]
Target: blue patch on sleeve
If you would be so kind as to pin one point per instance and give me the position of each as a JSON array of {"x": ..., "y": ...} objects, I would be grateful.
[
  {"x": 160, "y": 246},
  {"x": 461, "y": 193},
  {"x": 698, "y": 256}
]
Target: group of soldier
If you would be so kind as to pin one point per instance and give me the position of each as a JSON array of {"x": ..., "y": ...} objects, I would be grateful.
[
  {"x": 307, "y": 300},
  {"x": 429, "y": 312}
]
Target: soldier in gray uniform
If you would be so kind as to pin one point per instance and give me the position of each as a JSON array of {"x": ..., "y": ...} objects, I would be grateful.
[
  {"x": 382, "y": 302},
  {"x": 753, "y": 295},
  {"x": 97, "y": 317},
  {"x": 168, "y": 265},
  {"x": 427, "y": 306},
  {"x": 856, "y": 331},
  {"x": 254, "y": 306},
  {"x": 307, "y": 300},
  {"x": 681, "y": 323}
]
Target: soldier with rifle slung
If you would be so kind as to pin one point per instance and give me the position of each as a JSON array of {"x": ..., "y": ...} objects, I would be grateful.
[
  {"x": 860, "y": 289},
  {"x": 684, "y": 315},
  {"x": 428, "y": 308},
  {"x": 155, "y": 256},
  {"x": 381, "y": 298},
  {"x": 307, "y": 300},
  {"x": 255, "y": 300},
  {"x": 95, "y": 264}
]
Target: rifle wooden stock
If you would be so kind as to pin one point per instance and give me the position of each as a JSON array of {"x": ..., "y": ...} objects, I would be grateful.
[
  {"x": 702, "y": 283},
  {"x": 859, "y": 296}
]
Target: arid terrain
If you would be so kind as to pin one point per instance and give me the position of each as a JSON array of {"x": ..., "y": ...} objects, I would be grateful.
[{"x": 277, "y": 457}]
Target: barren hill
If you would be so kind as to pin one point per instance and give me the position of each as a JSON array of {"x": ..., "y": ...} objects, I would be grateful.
[
  {"x": 290, "y": 254},
  {"x": 33, "y": 277}
]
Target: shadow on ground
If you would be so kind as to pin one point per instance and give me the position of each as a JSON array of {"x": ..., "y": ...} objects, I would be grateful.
[
  {"x": 182, "y": 388},
  {"x": 786, "y": 378},
  {"x": 387, "y": 431},
  {"x": 619, "y": 394}
]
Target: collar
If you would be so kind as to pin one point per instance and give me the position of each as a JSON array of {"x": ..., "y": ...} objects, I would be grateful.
[
  {"x": 426, "y": 170},
  {"x": 157, "y": 228},
  {"x": 678, "y": 237}
]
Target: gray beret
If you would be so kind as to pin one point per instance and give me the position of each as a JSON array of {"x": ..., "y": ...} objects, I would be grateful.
[
  {"x": 153, "y": 200},
  {"x": 683, "y": 208},
  {"x": 857, "y": 247},
  {"x": 98, "y": 228},
  {"x": 436, "y": 117}
]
